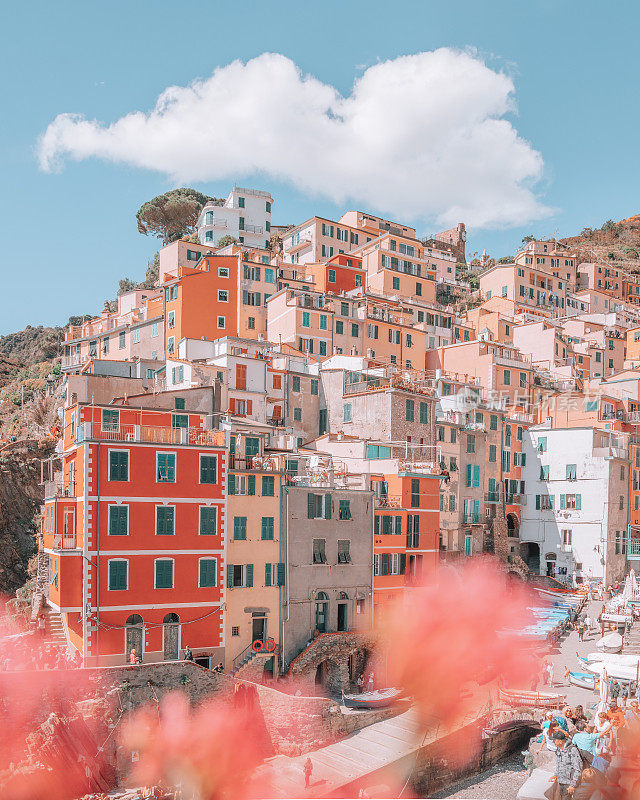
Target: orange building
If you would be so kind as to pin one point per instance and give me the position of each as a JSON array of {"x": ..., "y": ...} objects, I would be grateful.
[{"x": 134, "y": 528}]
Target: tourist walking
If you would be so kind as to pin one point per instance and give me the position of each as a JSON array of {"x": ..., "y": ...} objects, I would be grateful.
[
  {"x": 587, "y": 624},
  {"x": 308, "y": 769},
  {"x": 568, "y": 764},
  {"x": 581, "y": 631}
]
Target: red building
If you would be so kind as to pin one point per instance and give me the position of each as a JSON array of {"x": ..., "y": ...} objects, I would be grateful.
[{"x": 133, "y": 524}]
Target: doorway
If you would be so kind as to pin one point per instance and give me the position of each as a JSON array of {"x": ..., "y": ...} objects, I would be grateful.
[
  {"x": 322, "y": 610},
  {"x": 171, "y": 637},
  {"x": 343, "y": 610},
  {"x": 133, "y": 636},
  {"x": 258, "y": 629}
]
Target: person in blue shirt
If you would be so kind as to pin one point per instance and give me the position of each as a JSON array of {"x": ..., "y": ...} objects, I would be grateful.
[{"x": 584, "y": 738}]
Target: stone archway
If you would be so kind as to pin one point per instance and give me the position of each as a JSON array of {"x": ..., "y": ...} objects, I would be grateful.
[
  {"x": 513, "y": 525},
  {"x": 332, "y": 660}
]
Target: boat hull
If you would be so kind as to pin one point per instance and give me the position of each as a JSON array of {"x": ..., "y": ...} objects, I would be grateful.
[
  {"x": 515, "y": 697},
  {"x": 371, "y": 699},
  {"x": 583, "y": 679}
]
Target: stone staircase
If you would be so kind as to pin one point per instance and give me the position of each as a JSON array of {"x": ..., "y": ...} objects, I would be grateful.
[{"x": 54, "y": 628}]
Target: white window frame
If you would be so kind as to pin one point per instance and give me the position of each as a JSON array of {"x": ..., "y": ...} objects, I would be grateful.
[
  {"x": 215, "y": 507},
  {"x": 175, "y": 469},
  {"x": 155, "y": 518},
  {"x": 120, "y": 560},
  {"x": 223, "y": 272},
  {"x": 241, "y": 479},
  {"x": 209, "y": 455},
  {"x": 119, "y": 450},
  {"x": 224, "y": 322},
  {"x": 171, "y": 345},
  {"x": 116, "y": 505},
  {"x": 215, "y": 571},
  {"x": 154, "y": 329},
  {"x": 102, "y": 428},
  {"x": 223, "y": 292},
  {"x": 136, "y": 336},
  {"x": 173, "y": 579},
  {"x": 171, "y": 319}
]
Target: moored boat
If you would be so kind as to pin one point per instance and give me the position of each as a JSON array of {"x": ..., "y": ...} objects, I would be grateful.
[
  {"x": 376, "y": 699},
  {"x": 524, "y": 697},
  {"x": 611, "y": 643},
  {"x": 586, "y": 680}
]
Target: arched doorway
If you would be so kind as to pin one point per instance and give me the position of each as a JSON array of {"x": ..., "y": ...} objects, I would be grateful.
[
  {"x": 171, "y": 637},
  {"x": 133, "y": 639},
  {"x": 322, "y": 612},
  {"x": 343, "y": 612},
  {"x": 530, "y": 552},
  {"x": 513, "y": 525},
  {"x": 550, "y": 561},
  {"x": 321, "y": 673}
]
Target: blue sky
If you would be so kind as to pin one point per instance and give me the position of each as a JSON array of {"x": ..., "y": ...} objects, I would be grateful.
[{"x": 70, "y": 235}]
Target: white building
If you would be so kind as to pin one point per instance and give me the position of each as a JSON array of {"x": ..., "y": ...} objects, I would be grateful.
[
  {"x": 576, "y": 515},
  {"x": 245, "y": 215}
]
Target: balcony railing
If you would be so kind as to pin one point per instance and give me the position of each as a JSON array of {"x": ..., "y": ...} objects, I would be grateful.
[
  {"x": 471, "y": 517},
  {"x": 277, "y": 422},
  {"x": 65, "y": 541},
  {"x": 633, "y": 548},
  {"x": 516, "y": 499},
  {"x": 388, "y": 501},
  {"x": 492, "y": 497},
  {"x": 59, "y": 488},
  {"x": 151, "y": 434}
]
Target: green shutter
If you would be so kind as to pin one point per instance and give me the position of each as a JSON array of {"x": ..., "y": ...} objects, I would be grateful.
[
  {"x": 251, "y": 484},
  {"x": 563, "y": 501},
  {"x": 281, "y": 574},
  {"x": 311, "y": 506},
  {"x": 267, "y": 574},
  {"x": 268, "y": 486},
  {"x": 207, "y": 573},
  {"x": 538, "y": 501},
  {"x": 249, "y": 575},
  {"x": 398, "y": 526},
  {"x": 231, "y": 484},
  {"x": 469, "y": 472},
  {"x": 403, "y": 563},
  {"x": 376, "y": 525},
  {"x": 476, "y": 476},
  {"x": 385, "y": 564},
  {"x": 578, "y": 501},
  {"x": 327, "y": 506},
  {"x": 229, "y": 575},
  {"x": 551, "y": 500}
]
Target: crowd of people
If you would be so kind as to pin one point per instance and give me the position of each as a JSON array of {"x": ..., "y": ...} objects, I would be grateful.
[{"x": 585, "y": 748}]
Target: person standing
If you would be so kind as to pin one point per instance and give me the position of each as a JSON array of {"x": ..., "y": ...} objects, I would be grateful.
[
  {"x": 568, "y": 764},
  {"x": 307, "y": 769},
  {"x": 587, "y": 624},
  {"x": 360, "y": 683},
  {"x": 133, "y": 657},
  {"x": 188, "y": 655},
  {"x": 370, "y": 682},
  {"x": 581, "y": 631}
]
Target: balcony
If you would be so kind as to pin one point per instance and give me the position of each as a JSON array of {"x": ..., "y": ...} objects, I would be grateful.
[
  {"x": 388, "y": 501},
  {"x": 471, "y": 517},
  {"x": 277, "y": 422},
  {"x": 151, "y": 434},
  {"x": 516, "y": 500},
  {"x": 74, "y": 361},
  {"x": 253, "y": 229},
  {"x": 65, "y": 541},
  {"x": 492, "y": 497},
  {"x": 610, "y": 452},
  {"x": 633, "y": 549},
  {"x": 59, "y": 488}
]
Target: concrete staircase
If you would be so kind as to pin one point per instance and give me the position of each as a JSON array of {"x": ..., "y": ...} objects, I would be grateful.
[{"x": 54, "y": 628}]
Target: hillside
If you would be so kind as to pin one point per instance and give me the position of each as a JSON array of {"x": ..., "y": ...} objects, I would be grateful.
[{"x": 617, "y": 243}]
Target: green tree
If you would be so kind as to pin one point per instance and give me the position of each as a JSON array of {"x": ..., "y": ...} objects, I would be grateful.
[
  {"x": 171, "y": 215},
  {"x": 225, "y": 240},
  {"x": 527, "y": 239},
  {"x": 126, "y": 285}
]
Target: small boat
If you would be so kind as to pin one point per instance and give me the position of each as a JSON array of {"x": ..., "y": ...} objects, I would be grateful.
[
  {"x": 611, "y": 643},
  {"x": 523, "y": 697},
  {"x": 586, "y": 680},
  {"x": 376, "y": 699}
]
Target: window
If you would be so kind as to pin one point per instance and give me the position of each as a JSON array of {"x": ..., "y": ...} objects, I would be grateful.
[
  {"x": 297, "y": 414},
  {"x": 355, "y": 330},
  {"x": 344, "y": 309},
  {"x": 523, "y": 380},
  {"x": 239, "y": 575},
  {"x": 571, "y": 472},
  {"x": 121, "y": 340},
  {"x": 339, "y": 326},
  {"x": 154, "y": 329},
  {"x": 542, "y": 444},
  {"x": 409, "y": 410},
  {"x": 166, "y": 467},
  {"x": 164, "y": 573},
  {"x": 208, "y": 469},
  {"x": 415, "y": 493},
  {"x": 319, "y": 554},
  {"x": 571, "y": 501},
  {"x": 395, "y": 283},
  {"x": 118, "y": 520},
  {"x": 413, "y": 530},
  {"x": 267, "y": 528},
  {"x": 165, "y": 520},
  {"x": 221, "y": 322},
  {"x": 544, "y": 473},
  {"x": 295, "y": 383},
  {"x": 277, "y": 381},
  {"x": 506, "y": 377},
  {"x": 171, "y": 319},
  {"x": 344, "y": 556},
  {"x": 346, "y": 412},
  {"x": 118, "y": 575},
  {"x": 305, "y": 319},
  {"x": 331, "y": 277},
  {"x": 180, "y": 420},
  {"x": 621, "y": 503},
  {"x": 118, "y": 465},
  {"x": 493, "y": 422},
  {"x": 375, "y": 451},
  {"x": 268, "y": 485},
  {"x": 345, "y": 509},
  {"x": 318, "y": 506},
  {"x": 424, "y": 412},
  {"x": 235, "y": 630},
  {"x": 208, "y": 520},
  {"x": 207, "y": 573},
  {"x": 239, "y": 528},
  {"x": 179, "y": 403},
  {"x": 471, "y": 443}
]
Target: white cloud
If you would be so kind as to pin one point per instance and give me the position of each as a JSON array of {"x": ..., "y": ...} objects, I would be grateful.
[{"x": 420, "y": 137}]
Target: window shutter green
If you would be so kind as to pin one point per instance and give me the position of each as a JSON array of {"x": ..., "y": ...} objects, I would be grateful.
[
  {"x": 578, "y": 501},
  {"x": 476, "y": 475},
  {"x": 551, "y": 499},
  {"x": 385, "y": 564},
  {"x": 249, "y": 575},
  {"x": 538, "y": 501},
  {"x": 403, "y": 563},
  {"x": 376, "y": 525},
  {"x": 207, "y": 573},
  {"x": 267, "y": 574},
  {"x": 251, "y": 484},
  {"x": 231, "y": 484},
  {"x": 311, "y": 506},
  {"x": 469, "y": 468},
  {"x": 281, "y": 574},
  {"x": 229, "y": 575},
  {"x": 398, "y": 526},
  {"x": 563, "y": 501},
  {"x": 327, "y": 506}
]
